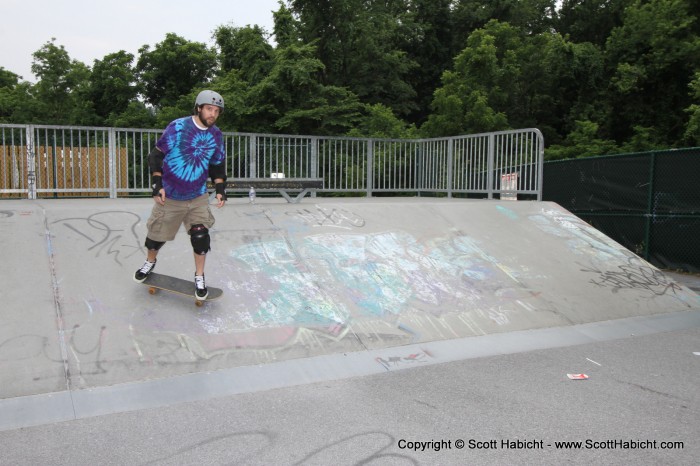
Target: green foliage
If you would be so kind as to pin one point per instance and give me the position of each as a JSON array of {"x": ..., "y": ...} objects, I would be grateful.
[
  {"x": 487, "y": 75},
  {"x": 291, "y": 99},
  {"x": 379, "y": 121},
  {"x": 8, "y": 100},
  {"x": 530, "y": 16},
  {"x": 590, "y": 21},
  {"x": 583, "y": 141},
  {"x": 135, "y": 115},
  {"x": 425, "y": 34},
  {"x": 112, "y": 84},
  {"x": 358, "y": 43},
  {"x": 651, "y": 58},
  {"x": 244, "y": 49},
  {"x": 61, "y": 95},
  {"x": 692, "y": 130},
  {"x": 596, "y": 76},
  {"x": 8, "y": 79},
  {"x": 173, "y": 68},
  {"x": 286, "y": 28}
]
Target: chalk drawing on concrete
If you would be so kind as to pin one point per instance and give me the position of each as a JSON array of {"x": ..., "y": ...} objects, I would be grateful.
[
  {"x": 349, "y": 276},
  {"x": 583, "y": 239}
]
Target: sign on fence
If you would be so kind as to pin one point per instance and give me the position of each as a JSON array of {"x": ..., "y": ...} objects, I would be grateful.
[{"x": 509, "y": 186}]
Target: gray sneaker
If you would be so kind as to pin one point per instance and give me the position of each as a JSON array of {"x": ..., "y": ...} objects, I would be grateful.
[{"x": 144, "y": 271}]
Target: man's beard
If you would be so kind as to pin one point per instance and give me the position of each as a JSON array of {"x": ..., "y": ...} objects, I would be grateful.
[{"x": 204, "y": 121}]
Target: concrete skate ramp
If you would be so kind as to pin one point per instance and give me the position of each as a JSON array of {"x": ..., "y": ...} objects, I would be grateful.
[{"x": 326, "y": 276}]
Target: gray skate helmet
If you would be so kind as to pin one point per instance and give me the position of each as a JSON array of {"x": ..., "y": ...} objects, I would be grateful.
[{"x": 210, "y": 98}]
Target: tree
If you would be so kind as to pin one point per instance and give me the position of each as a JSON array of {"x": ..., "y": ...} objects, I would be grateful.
[
  {"x": 583, "y": 141},
  {"x": 358, "y": 43},
  {"x": 113, "y": 84},
  {"x": 692, "y": 130},
  {"x": 244, "y": 49},
  {"x": 426, "y": 37},
  {"x": 286, "y": 27},
  {"x": 651, "y": 59},
  {"x": 61, "y": 91},
  {"x": 8, "y": 79},
  {"x": 9, "y": 95},
  {"x": 590, "y": 20},
  {"x": 135, "y": 115},
  {"x": 173, "y": 68},
  {"x": 291, "y": 99},
  {"x": 378, "y": 121},
  {"x": 571, "y": 87},
  {"x": 530, "y": 16},
  {"x": 475, "y": 96}
]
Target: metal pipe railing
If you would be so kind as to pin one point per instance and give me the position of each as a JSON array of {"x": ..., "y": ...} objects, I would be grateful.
[{"x": 110, "y": 162}]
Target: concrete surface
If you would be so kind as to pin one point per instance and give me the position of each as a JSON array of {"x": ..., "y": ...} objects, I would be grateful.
[{"x": 328, "y": 293}]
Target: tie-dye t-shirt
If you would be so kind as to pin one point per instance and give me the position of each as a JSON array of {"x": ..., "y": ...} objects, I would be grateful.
[{"x": 188, "y": 153}]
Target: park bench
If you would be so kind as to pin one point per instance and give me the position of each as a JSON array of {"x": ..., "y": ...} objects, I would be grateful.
[{"x": 282, "y": 185}]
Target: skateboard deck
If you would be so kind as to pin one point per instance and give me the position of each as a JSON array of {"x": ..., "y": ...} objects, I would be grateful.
[{"x": 156, "y": 281}]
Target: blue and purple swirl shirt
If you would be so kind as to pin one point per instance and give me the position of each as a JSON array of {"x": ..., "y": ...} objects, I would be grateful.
[{"x": 189, "y": 151}]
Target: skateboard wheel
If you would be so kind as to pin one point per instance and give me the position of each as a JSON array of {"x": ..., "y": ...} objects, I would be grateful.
[
  {"x": 199, "y": 303},
  {"x": 152, "y": 290}
]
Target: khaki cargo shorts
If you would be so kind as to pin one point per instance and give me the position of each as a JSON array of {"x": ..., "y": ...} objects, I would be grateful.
[{"x": 165, "y": 220}]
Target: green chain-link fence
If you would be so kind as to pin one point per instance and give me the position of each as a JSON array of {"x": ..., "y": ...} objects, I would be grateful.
[{"x": 648, "y": 202}]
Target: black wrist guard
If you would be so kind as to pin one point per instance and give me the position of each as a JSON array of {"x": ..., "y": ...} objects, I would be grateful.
[
  {"x": 221, "y": 189},
  {"x": 157, "y": 185}
]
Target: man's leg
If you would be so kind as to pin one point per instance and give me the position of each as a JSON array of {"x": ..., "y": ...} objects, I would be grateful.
[
  {"x": 199, "y": 236},
  {"x": 162, "y": 224},
  {"x": 199, "y": 261},
  {"x": 199, "y": 220},
  {"x": 152, "y": 255},
  {"x": 150, "y": 264}
]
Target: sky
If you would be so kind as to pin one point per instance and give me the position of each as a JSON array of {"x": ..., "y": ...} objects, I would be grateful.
[{"x": 91, "y": 29}]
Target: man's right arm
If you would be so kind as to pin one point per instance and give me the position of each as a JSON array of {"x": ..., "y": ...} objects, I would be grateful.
[{"x": 155, "y": 164}]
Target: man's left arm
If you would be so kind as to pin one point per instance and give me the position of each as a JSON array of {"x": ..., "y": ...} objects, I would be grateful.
[{"x": 217, "y": 173}]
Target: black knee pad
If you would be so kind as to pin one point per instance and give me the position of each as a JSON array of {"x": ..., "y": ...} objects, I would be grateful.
[
  {"x": 153, "y": 245},
  {"x": 199, "y": 237}
]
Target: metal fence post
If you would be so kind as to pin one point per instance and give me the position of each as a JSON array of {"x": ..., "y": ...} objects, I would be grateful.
[
  {"x": 370, "y": 167},
  {"x": 540, "y": 165},
  {"x": 490, "y": 164},
  {"x": 112, "y": 160},
  {"x": 650, "y": 206},
  {"x": 420, "y": 159},
  {"x": 252, "y": 150},
  {"x": 314, "y": 160},
  {"x": 450, "y": 170},
  {"x": 31, "y": 163}
]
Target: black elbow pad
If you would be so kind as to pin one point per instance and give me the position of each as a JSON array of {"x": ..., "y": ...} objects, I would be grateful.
[
  {"x": 155, "y": 160},
  {"x": 217, "y": 171}
]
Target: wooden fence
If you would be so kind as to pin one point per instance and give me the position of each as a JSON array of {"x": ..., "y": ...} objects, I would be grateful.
[{"x": 61, "y": 171}]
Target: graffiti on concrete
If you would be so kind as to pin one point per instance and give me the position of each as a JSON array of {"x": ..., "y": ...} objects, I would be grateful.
[
  {"x": 112, "y": 233},
  {"x": 634, "y": 275},
  {"x": 328, "y": 217},
  {"x": 399, "y": 362}
]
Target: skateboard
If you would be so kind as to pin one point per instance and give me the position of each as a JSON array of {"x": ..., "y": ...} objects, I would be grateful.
[{"x": 156, "y": 281}]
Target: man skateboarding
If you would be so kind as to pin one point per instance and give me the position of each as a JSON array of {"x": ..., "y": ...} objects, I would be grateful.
[{"x": 190, "y": 150}]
